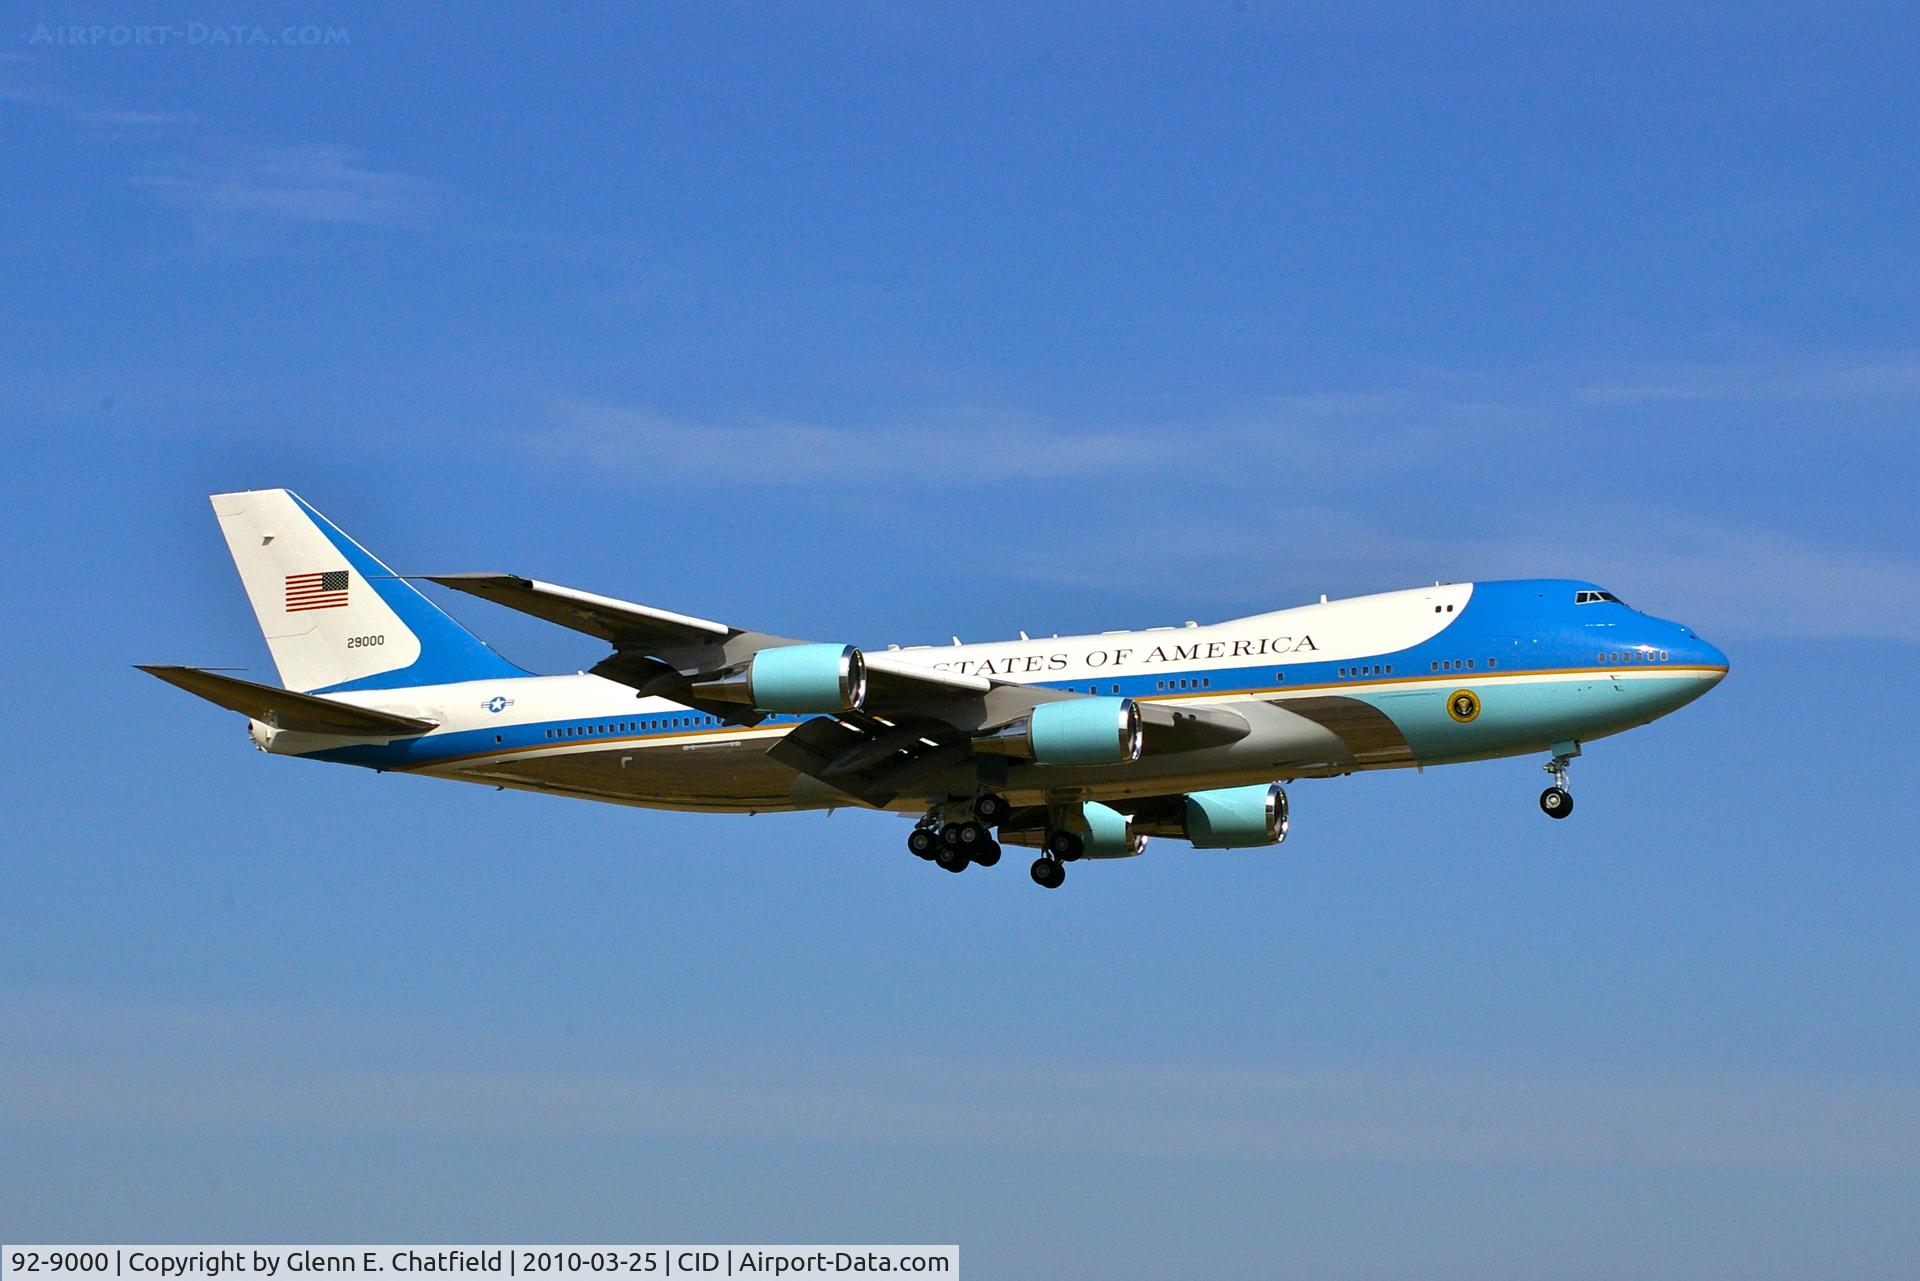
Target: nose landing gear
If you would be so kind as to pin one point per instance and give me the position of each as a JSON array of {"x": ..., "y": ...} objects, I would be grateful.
[{"x": 1557, "y": 801}]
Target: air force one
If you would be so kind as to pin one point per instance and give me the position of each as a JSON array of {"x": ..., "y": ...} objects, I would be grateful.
[{"x": 1082, "y": 747}]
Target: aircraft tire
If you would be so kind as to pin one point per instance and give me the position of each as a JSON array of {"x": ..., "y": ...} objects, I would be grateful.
[
  {"x": 1048, "y": 873},
  {"x": 991, "y": 808},
  {"x": 954, "y": 862},
  {"x": 988, "y": 854},
  {"x": 923, "y": 842},
  {"x": 1556, "y": 802},
  {"x": 1065, "y": 845}
]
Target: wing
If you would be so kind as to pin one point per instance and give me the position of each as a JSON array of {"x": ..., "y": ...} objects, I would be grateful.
[
  {"x": 622, "y": 623},
  {"x": 660, "y": 652},
  {"x": 915, "y": 718}
]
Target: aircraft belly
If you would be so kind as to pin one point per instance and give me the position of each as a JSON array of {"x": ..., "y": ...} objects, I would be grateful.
[
  {"x": 700, "y": 776},
  {"x": 1298, "y": 736}
]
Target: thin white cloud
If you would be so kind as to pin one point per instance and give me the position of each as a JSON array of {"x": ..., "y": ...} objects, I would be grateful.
[
  {"x": 226, "y": 181},
  {"x": 1550, "y": 426},
  {"x": 617, "y": 443},
  {"x": 207, "y": 1071},
  {"x": 298, "y": 183},
  {"x": 1727, "y": 579},
  {"x": 1723, "y": 517},
  {"x": 1890, "y": 376}
]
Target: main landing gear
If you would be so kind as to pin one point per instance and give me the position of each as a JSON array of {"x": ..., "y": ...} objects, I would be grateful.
[
  {"x": 956, "y": 841},
  {"x": 1557, "y": 801},
  {"x": 959, "y": 834},
  {"x": 1049, "y": 873},
  {"x": 1062, "y": 846}
]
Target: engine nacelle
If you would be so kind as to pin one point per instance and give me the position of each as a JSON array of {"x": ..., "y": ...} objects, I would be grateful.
[
  {"x": 1227, "y": 818},
  {"x": 794, "y": 678},
  {"x": 1072, "y": 731},
  {"x": 1104, "y": 832},
  {"x": 1109, "y": 833}
]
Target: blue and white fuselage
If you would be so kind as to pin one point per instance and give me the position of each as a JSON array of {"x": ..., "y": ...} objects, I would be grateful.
[
  {"x": 1362, "y": 683},
  {"x": 1429, "y": 676}
]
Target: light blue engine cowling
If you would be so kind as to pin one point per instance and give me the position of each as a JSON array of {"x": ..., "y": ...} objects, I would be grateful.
[
  {"x": 1109, "y": 833},
  {"x": 1084, "y": 731},
  {"x": 807, "y": 678},
  {"x": 1237, "y": 817}
]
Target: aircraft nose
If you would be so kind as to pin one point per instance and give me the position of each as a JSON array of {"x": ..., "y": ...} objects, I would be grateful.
[{"x": 1703, "y": 654}]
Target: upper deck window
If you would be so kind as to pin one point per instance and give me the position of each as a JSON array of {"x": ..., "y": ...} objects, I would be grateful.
[{"x": 1595, "y": 597}]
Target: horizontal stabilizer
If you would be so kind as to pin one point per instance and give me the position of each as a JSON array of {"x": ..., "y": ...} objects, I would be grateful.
[{"x": 286, "y": 709}]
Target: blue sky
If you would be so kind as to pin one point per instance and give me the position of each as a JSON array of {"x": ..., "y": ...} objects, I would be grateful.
[{"x": 886, "y": 324}]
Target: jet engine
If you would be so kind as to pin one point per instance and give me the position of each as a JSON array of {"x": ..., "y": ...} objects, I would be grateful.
[
  {"x": 814, "y": 678},
  {"x": 1107, "y": 833},
  {"x": 1228, "y": 818},
  {"x": 1073, "y": 731}
]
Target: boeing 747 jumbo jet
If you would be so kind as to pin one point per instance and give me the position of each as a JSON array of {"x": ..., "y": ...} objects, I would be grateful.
[{"x": 1078, "y": 746}]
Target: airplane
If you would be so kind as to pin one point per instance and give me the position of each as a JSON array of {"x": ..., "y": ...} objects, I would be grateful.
[{"x": 1081, "y": 747}]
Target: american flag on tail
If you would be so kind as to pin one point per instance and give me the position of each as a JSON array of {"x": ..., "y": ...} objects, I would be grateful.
[{"x": 327, "y": 590}]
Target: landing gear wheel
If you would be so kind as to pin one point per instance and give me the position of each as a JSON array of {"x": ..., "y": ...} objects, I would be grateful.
[
  {"x": 964, "y": 838},
  {"x": 1065, "y": 846},
  {"x": 991, "y": 808},
  {"x": 1048, "y": 873},
  {"x": 1556, "y": 802},
  {"x": 954, "y": 862},
  {"x": 988, "y": 854},
  {"x": 923, "y": 842}
]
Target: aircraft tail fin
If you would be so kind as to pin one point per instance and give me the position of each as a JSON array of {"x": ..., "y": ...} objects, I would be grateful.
[{"x": 334, "y": 617}]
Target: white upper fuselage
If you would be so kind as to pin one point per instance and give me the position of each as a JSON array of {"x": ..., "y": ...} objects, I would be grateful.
[{"x": 1328, "y": 688}]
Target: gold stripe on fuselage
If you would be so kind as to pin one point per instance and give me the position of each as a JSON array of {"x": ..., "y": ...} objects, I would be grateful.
[{"x": 1351, "y": 684}]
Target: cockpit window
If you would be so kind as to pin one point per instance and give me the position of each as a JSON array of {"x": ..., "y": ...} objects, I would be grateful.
[{"x": 1594, "y": 598}]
